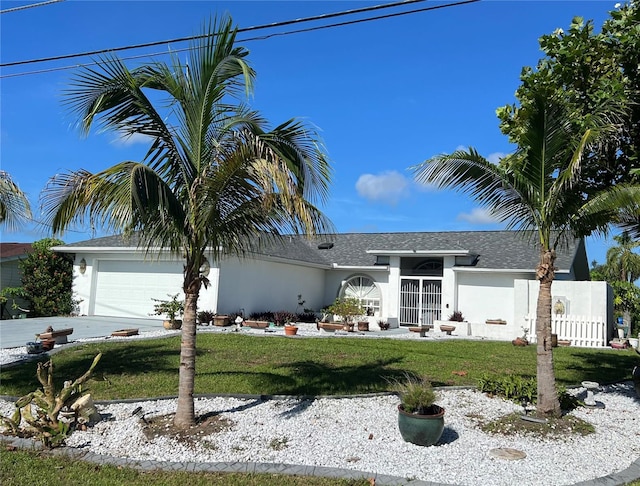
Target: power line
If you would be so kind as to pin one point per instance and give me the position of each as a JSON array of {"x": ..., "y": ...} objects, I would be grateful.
[
  {"x": 351, "y": 22},
  {"x": 310, "y": 29},
  {"x": 183, "y": 39},
  {"x": 24, "y": 7}
]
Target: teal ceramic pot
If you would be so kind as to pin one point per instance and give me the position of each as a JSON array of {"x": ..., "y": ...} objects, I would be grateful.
[
  {"x": 34, "y": 347},
  {"x": 422, "y": 430}
]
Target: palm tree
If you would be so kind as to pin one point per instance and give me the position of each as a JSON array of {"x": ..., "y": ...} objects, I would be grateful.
[
  {"x": 534, "y": 192},
  {"x": 14, "y": 205},
  {"x": 622, "y": 270},
  {"x": 214, "y": 178},
  {"x": 623, "y": 263}
]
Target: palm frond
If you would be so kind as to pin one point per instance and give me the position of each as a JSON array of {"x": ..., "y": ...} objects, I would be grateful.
[
  {"x": 611, "y": 205},
  {"x": 15, "y": 209},
  {"x": 125, "y": 197}
]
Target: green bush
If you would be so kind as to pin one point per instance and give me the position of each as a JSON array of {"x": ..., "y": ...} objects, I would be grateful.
[
  {"x": 519, "y": 390},
  {"x": 512, "y": 387},
  {"x": 47, "y": 279}
]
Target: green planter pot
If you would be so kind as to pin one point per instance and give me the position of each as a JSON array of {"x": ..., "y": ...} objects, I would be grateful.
[{"x": 422, "y": 430}]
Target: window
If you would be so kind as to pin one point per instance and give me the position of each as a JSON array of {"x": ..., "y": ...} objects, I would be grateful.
[
  {"x": 430, "y": 267},
  {"x": 365, "y": 290}
]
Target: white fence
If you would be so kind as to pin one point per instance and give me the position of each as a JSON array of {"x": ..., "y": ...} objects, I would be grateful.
[{"x": 581, "y": 331}]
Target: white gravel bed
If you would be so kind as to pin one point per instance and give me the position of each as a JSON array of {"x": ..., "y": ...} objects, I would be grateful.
[{"x": 362, "y": 434}]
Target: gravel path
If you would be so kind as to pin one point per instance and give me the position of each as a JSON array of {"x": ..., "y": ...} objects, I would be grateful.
[{"x": 362, "y": 434}]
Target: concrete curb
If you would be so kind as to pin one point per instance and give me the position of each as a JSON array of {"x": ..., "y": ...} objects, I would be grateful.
[{"x": 631, "y": 473}]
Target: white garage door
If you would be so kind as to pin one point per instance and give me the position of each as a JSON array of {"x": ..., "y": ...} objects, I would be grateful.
[{"x": 125, "y": 288}]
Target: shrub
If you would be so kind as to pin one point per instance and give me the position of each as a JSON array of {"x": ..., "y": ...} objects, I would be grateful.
[
  {"x": 521, "y": 390},
  {"x": 347, "y": 308},
  {"x": 47, "y": 278},
  {"x": 456, "y": 316},
  {"x": 306, "y": 316},
  {"x": 262, "y": 316},
  {"x": 171, "y": 308},
  {"x": 284, "y": 317},
  {"x": 205, "y": 316}
]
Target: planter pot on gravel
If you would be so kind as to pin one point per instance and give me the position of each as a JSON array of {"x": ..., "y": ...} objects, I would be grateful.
[
  {"x": 290, "y": 330},
  {"x": 422, "y": 430}
]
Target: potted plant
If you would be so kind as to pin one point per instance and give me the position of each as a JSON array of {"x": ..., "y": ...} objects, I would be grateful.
[
  {"x": 363, "y": 325},
  {"x": 455, "y": 317},
  {"x": 347, "y": 308},
  {"x": 205, "y": 317},
  {"x": 522, "y": 341},
  {"x": 171, "y": 309},
  {"x": 420, "y": 420},
  {"x": 221, "y": 320},
  {"x": 290, "y": 329},
  {"x": 34, "y": 347},
  {"x": 383, "y": 325}
]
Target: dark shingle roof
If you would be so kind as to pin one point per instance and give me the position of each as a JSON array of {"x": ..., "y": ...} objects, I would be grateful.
[
  {"x": 8, "y": 250},
  {"x": 496, "y": 249}
]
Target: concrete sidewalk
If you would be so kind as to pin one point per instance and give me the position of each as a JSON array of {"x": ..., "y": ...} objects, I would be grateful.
[{"x": 17, "y": 332}]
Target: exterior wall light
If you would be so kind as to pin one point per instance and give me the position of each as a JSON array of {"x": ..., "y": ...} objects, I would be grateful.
[
  {"x": 559, "y": 307},
  {"x": 83, "y": 266},
  {"x": 205, "y": 268}
]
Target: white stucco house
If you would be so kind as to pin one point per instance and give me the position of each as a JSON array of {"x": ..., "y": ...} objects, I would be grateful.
[{"x": 404, "y": 278}]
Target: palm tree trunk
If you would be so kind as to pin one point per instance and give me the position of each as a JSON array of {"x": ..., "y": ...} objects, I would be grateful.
[
  {"x": 548, "y": 403},
  {"x": 185, "y": 411},
  {"x": 626, "y": 319}
]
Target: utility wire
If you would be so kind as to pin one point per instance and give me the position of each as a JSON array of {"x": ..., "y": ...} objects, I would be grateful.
[
  {"x": 182, "y": 39},
  {"x": 250, "y": 39},
  {"x": 24, "y": 7}
]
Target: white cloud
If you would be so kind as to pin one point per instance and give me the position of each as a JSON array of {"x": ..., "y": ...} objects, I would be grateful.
[
  {"x": 137, "y": 138},
  {"x": 478, "y": 216},
  {"x": 495, "y": 157},
  {"x": 388, "y": 187}
]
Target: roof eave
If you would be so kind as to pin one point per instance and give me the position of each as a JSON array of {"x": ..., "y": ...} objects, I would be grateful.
[
  {"x": 369, "y": 268},
  {"x": 500, "y": 270},
  {"x": 419, "y": 252}
]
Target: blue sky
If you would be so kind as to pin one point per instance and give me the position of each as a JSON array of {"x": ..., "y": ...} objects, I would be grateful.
[{"x": 385, "y": 94}]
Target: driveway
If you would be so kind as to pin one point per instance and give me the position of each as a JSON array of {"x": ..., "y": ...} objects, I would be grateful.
[{"x": 17, "y": 332}]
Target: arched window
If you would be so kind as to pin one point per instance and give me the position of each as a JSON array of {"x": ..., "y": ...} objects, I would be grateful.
[{"x": 365, "y": 290}]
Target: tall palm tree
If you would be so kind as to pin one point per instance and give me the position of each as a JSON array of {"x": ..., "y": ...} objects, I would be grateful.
[
  {"x": 623, "y": 263},
  {"x": 534, "y": 191},
  {"x": 214, "y": 179},
  {"x": 14, "y": 205},
  {"x": 622, "y": 270}
]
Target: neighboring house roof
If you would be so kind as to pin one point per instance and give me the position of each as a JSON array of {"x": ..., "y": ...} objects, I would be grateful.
[
  {"x": 12, "y": 251},
  {"x": 499, "y": 250}
]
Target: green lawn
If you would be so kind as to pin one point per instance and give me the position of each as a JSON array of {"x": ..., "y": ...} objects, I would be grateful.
[
  {"x": 231, "y": 363},
  {"x": 29, "y": 468}
]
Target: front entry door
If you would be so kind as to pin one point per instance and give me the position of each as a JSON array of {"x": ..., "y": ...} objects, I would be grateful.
[{"x": 420, "y": 301}]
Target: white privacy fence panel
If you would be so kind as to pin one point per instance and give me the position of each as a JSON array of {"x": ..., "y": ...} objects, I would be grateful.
[{"x": 581, "y": 331}]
